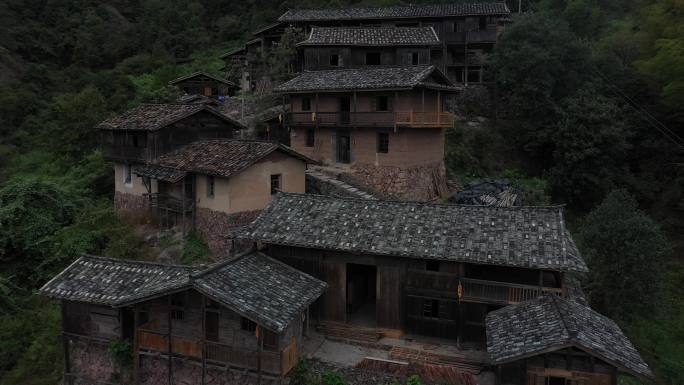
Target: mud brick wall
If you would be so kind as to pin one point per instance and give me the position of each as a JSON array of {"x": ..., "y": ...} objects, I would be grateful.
[
  {"x": 421, "y": 183},
  {"x": 129, "y": 202},
  {"x": 90, "y": 362},
  {"x": 214, "y": 227}
]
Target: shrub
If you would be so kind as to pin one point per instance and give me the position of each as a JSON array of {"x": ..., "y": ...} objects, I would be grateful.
[{"x": 333, "y": 378}]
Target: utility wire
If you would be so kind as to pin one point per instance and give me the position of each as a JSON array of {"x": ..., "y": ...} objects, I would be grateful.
[{"x": 669, "y": 134}]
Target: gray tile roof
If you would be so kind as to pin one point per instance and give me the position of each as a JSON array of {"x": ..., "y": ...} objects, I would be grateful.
[
  {"x": 550, "y": 323},
  {"x": 154, "y": 171},
  {"x": 261, "y": 288},
  {"x": 152, "y": 117},
  {"x": 365, "y": 79},
  {"x": 222, "y": 157},
  {"x": 531, "y": 237},
  {"x": 396, "y": 12},
  {"x": 253, "y": 285},
  {"x": 369, "y": 36},
  {"x": 203, "y": 74},
  {"x": 113, "y": 282}
]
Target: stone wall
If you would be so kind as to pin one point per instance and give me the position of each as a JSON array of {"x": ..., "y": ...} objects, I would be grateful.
[
  {"x": 214, "y": 227},
  {"x": 129, "y": 202},
  {"x": 422, "y": 183},
  {"x": 90, "y": 362},
  {"x": 324, "y": 184},
  {"x": 154, "y": 371}
]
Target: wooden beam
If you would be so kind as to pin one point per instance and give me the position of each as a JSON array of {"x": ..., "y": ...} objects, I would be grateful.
[
  {"x": 260, "y": 342},
  {"x": 65, "y": 341},
  {"x": 136, "y": 356},
  {"x": 168, "y": 329},
  {"x": 204, "y": 338}
]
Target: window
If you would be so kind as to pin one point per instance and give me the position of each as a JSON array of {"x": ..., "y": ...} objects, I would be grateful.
[
  {"x": 143, "y": 317},
  {"x": 275, "y": 184},
  {"x": 306, "y": 104},
  {"x": 212, "y": 326},
  {"x": 483, "y": 23},
  {"x": 128, "y": 180},
  {"x": 210, "y": 186},
  {"x": 373, "y": 58},
  {"x": 555, "y": 381},
  {"x": 382, "y": 103},
  {"x": 407, "y": 24},
  {"x": 415, "y": 58},
  {"x": 431, "y": 308},
  {"x": 247, "y": 325},
  {"x": 383, "y": 142},
  {"x": 177, "y": 306},
  {"x": 432, "y": 265},
  {"x": 334, "y": 60},
  {"x": 310, "y": 137}
]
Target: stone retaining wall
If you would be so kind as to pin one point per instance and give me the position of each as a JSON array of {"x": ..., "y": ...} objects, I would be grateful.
[
  {"x": 154, "y": 371},
  {"x": 214, "y": 227},
  {"x": 422, "y": 183},
  {"x": 90, "y": 362}
]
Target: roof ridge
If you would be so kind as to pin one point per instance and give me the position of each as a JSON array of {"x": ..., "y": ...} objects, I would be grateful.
[
  {"x": 213, "y": 267},
  {"x": 548, "y": 207},
  {"x": 132, "y": 261},
  {"x": 572, "y": 333}
]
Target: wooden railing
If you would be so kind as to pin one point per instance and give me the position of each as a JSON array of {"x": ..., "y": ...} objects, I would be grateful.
[
  {"x": 486, "y": 36},
  {"x": 120, "y": 152},
  {"x": 476, "y": 290},
  {"x": 271, "y": 361},
  {"x": 169, "y": 202},
  {"x": 379, "y": 119}
]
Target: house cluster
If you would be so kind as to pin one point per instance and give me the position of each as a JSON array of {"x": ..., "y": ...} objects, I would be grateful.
[{"x": 497, "y": 282}]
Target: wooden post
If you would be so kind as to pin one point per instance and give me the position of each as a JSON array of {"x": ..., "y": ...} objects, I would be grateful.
[
  {"x": 136, "y": 354},
  {"x": 307, "y": 320},
  {"x": 168, "y": 329},
  {"x": 260, "y": 342},
  {"x": 465, "y": 59},
  {"x": 439, "y": 106},
  {"x": 65, "y": 341},
  {"x": 523, "y": 372},
  {"x": 183, "y": 210},
  {"x": 461, "y": 310},
  {"x": 614, "y": 376},
  {"x": 498, "y": 375},
  {"x": 204, "y": 338}
]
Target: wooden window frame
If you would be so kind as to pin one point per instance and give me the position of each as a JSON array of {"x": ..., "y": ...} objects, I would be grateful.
[
  {"x": 247, "y": 325},
  {"x": 278, "y": 185},
  {"x": 306, "y": 103}
]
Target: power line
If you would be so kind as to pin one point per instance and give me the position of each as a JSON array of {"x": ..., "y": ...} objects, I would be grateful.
[{"x": 669, "y": 134}]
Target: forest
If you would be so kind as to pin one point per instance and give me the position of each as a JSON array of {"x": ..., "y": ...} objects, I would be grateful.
[{"x": 587, "y": 109}]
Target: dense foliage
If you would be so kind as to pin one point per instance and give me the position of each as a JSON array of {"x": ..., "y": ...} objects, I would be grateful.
[{"x": 579, "y": 84}]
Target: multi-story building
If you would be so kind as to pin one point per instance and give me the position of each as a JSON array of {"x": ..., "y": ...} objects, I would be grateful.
[
  {"x": 467, "y": 32},
  {"x": 383, "y": 125}
]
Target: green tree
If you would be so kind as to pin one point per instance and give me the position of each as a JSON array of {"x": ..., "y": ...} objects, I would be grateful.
[{"x": 626, "y": 252}]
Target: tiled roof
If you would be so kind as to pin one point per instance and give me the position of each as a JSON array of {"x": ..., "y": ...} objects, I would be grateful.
[
  {"x": 254, "y": 285},
  {"x": 152, "y": 117},
  {"x": 369, "y": 36},
  {"x": 154, "y": 171},
  {"x": 222, "y": 157},
  {"x": 364, "y": 79},
  {"x": 261, "y": 288},
  {"x": 396, "y": 12},
  {"x": 550, "y": 322},
  {"x": 531, "y": 237},
  {"x": 202, "y": 73},
  {"x": 112, "y": 282}
]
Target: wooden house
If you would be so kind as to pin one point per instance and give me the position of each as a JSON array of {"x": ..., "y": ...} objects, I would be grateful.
[
  {"x": 555, "y": 341},
  {"x": 215, "y": 185},
  {"x": 467, "y": 32},
  {"x": 384, "y": 125},
  {"x": 205, "y": 84},
  {"x": 146, "y": 132},
  {"x": 236, "y": 322},
  {"x": 417, "y": 268},
  {"x": 355, "y": 47}
]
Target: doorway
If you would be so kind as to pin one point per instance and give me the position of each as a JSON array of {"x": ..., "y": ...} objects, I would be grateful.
[
  {"x": 343, "y": 146},
  {"x": 361, "y": 294},
  {"x": 345, "y": 109}
]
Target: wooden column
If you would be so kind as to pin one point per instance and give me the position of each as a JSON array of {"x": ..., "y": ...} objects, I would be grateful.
[
  {"x": 65, "y": 341},
  {"x": 204, "y": 338},
  {"x": 260, "y": 342},
  {"x": 461, "y": 306},
  {"x": 183, "y": 210},
  {"x": 168, "y": 329},
  {"x": 308, "y": 321},
  {"x": 523, "y": 372},
  {"x": 136, "y": 353},
  {"x": 465, "y": 60}
]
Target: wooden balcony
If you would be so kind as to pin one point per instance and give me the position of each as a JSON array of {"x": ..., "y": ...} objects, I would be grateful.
[
  {"x": 486, "y": 36},
  {"x": 475, "y": 290},
  {"x": 125, "y": 153},
  {"x": 372, "y": 119},
  {"x": 170, "y": 202}
]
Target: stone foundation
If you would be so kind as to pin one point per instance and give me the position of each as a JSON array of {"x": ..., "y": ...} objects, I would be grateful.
[
  {"x": 89, "y": 362},
  {"x": 422, "y": 183},
  {"x": 154, "y": 371},
  {"x": 214, "y": 227},
  {"x": 129, "y": 202}
]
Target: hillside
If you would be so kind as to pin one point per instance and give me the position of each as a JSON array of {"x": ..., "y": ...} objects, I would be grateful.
[{"x": 587, "y": 110}]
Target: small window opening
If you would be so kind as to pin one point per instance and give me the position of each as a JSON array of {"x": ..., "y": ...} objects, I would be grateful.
[
  {"x": 335, "y": 60},
  {"x": 432, "y": 265},
  {"x": 275, "y": 183},
  {"x": 373, "y": 58},
  {"x": 383, "y": 142},
  {"x": 306, "y": 104},
  {"x": 382, "y": 103}
]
